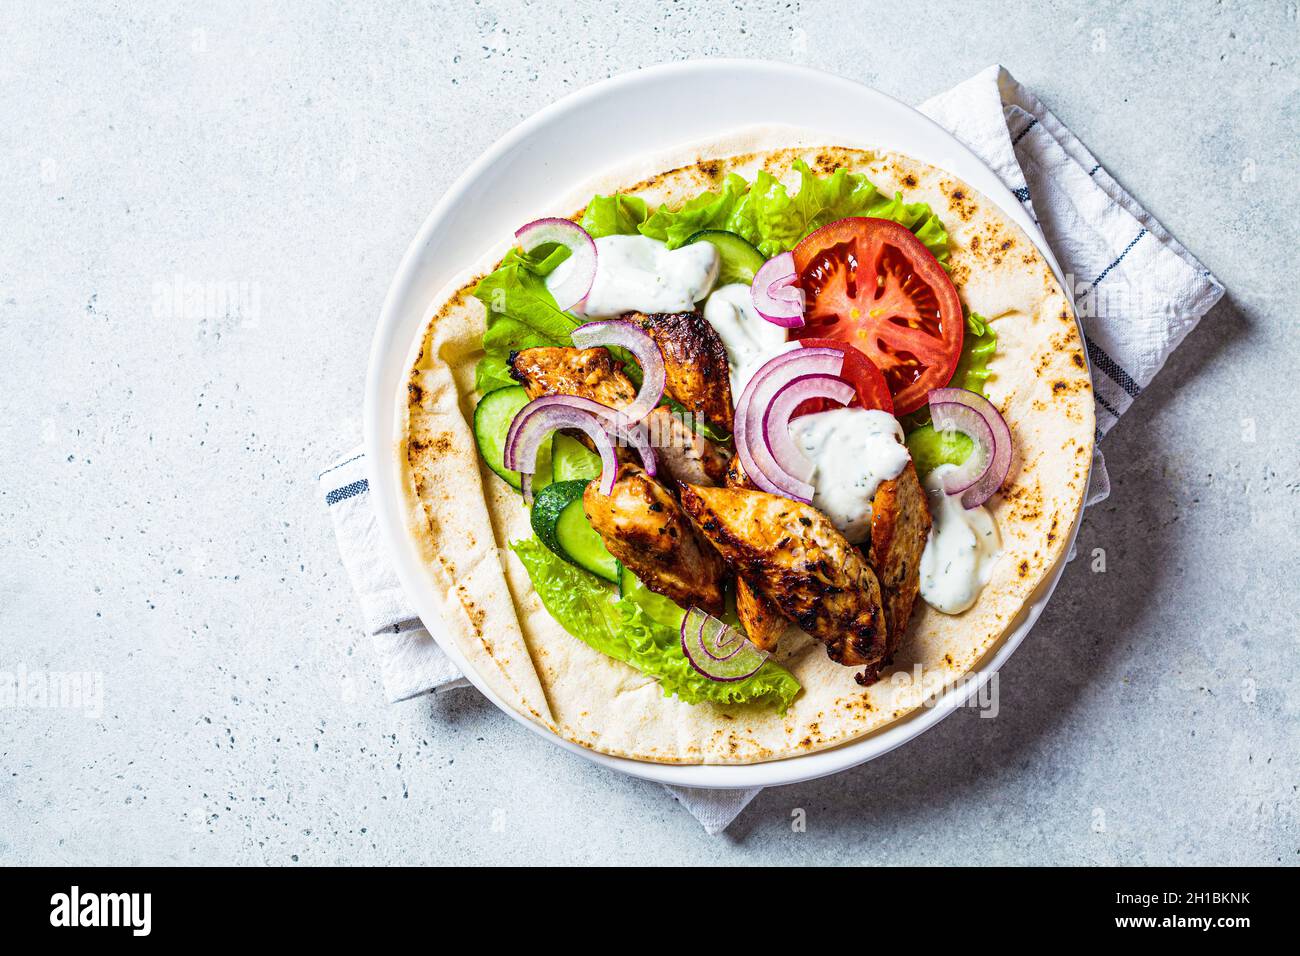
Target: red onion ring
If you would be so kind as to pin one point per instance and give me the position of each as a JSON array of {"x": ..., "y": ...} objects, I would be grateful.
[
  {"x": 542, "y": 416},
  {"x": 717, "y": 650},
  {"x": 528, "y": 431},
  {"x": 634, "y": 435},
  {"x": 776, "y": 297},
  {"x": 580, "y": 267},
  {"x": 628, "y": 335},
  {"x": 751, "y": 445},
  {"x": 776, "y": 423},
  {"x": 982, "y": 474}
]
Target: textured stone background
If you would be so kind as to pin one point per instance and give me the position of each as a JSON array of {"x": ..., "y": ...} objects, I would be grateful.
[{"x": 159, "y": 521}]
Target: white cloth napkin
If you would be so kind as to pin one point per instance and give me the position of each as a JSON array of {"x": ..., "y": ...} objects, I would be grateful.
[{"x": 1138, "y": 291}]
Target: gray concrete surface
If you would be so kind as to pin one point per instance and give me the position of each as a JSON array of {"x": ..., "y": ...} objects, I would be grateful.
[{"x": 159, "y": 523}]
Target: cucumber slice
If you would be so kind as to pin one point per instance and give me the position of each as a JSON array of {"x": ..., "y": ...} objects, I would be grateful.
[
  {"x": 561, "y": 524},
  {"x": 740, "y": 261},
  {"x": 571, "y": 459},
  {"x": 492, "y": 418},
  {"x": 660, "y": 609}
]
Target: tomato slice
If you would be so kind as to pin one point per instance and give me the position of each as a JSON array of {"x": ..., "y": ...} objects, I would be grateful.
[
  {"x": 873, "y": 284},
  {"x": 860, "y": 372}
]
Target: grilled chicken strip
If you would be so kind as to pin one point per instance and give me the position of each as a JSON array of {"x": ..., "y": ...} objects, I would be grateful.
[
  {"x": 761, "y": 617},
  {"x": 643, "y": 526},
  {"x": 683, "y": 453},
  {"x": 696, "y": 360},
  {"x": 587, "y": 373},
  {"x": 797, "y": 558},
  {"x": 900, "y": 523}
]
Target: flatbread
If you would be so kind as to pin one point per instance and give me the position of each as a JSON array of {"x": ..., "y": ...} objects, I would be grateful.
[{"x": 464, "y": 518}]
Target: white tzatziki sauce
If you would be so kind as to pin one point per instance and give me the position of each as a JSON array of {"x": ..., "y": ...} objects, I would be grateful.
[
  {"x": 852, "y": 451},
  {"x": 640, "y": 274},
  {"x": 960, "y": 553},
  {"x": 749, "y": 338}
]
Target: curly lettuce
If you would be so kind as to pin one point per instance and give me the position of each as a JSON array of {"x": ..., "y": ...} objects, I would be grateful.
[
  {"x": 622, "y": 628},
  {"x": 977, "y": 349},
  {"x": 616, "y": 215},
  {"x": 708, "y": 210},
  {"x": 774, "y": 220}
]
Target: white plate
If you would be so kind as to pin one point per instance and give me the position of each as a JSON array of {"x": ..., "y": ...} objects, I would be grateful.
[{"x": 550, "y": 154}]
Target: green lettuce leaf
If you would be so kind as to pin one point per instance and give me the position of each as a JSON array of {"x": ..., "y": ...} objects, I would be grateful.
[
  {"x": 977, "y": 348},
  {"x": 616, "y": 215},
  {"x": 591, "y": 610},
  {"x": 774, "y": 221},
  {"x": 708, "y": 210},
  {"x": 521, "y": 312},
  {"x": 929, "y": 448}
]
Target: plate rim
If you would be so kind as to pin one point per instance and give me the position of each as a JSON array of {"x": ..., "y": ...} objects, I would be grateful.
[{"x": 378, "y": 422}]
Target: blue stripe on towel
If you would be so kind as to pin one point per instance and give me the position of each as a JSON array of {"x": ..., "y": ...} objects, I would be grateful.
[
  {"x": 1104, "y": 404},
  {"x": 1112, "y": 369},
  {"x": 1118, "y": 259},
  {"x": 1099, "y": 357},
  {"x": 1021, "y": 135},
  {"x": 347, "y": 491}
]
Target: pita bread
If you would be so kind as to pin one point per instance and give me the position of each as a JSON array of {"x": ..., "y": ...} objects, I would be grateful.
[{"x": 464, "y": 517}]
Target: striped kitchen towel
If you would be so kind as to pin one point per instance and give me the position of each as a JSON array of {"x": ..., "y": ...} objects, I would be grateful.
[
  {"x": 1138, "y": 292},
  {"x": 410, "y": 661}
]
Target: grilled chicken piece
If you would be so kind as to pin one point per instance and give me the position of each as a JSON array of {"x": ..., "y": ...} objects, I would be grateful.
[
  {"x": 797, "y": 558},
  {"x": 900, "y": 523},
  {"x": 696, "y": 360},
  {"x": 587, "y": 373},
  {"x": 643, "y": 526},
  {"x": 683, "y": 453},
  {"x": 761, "y": 617}
]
